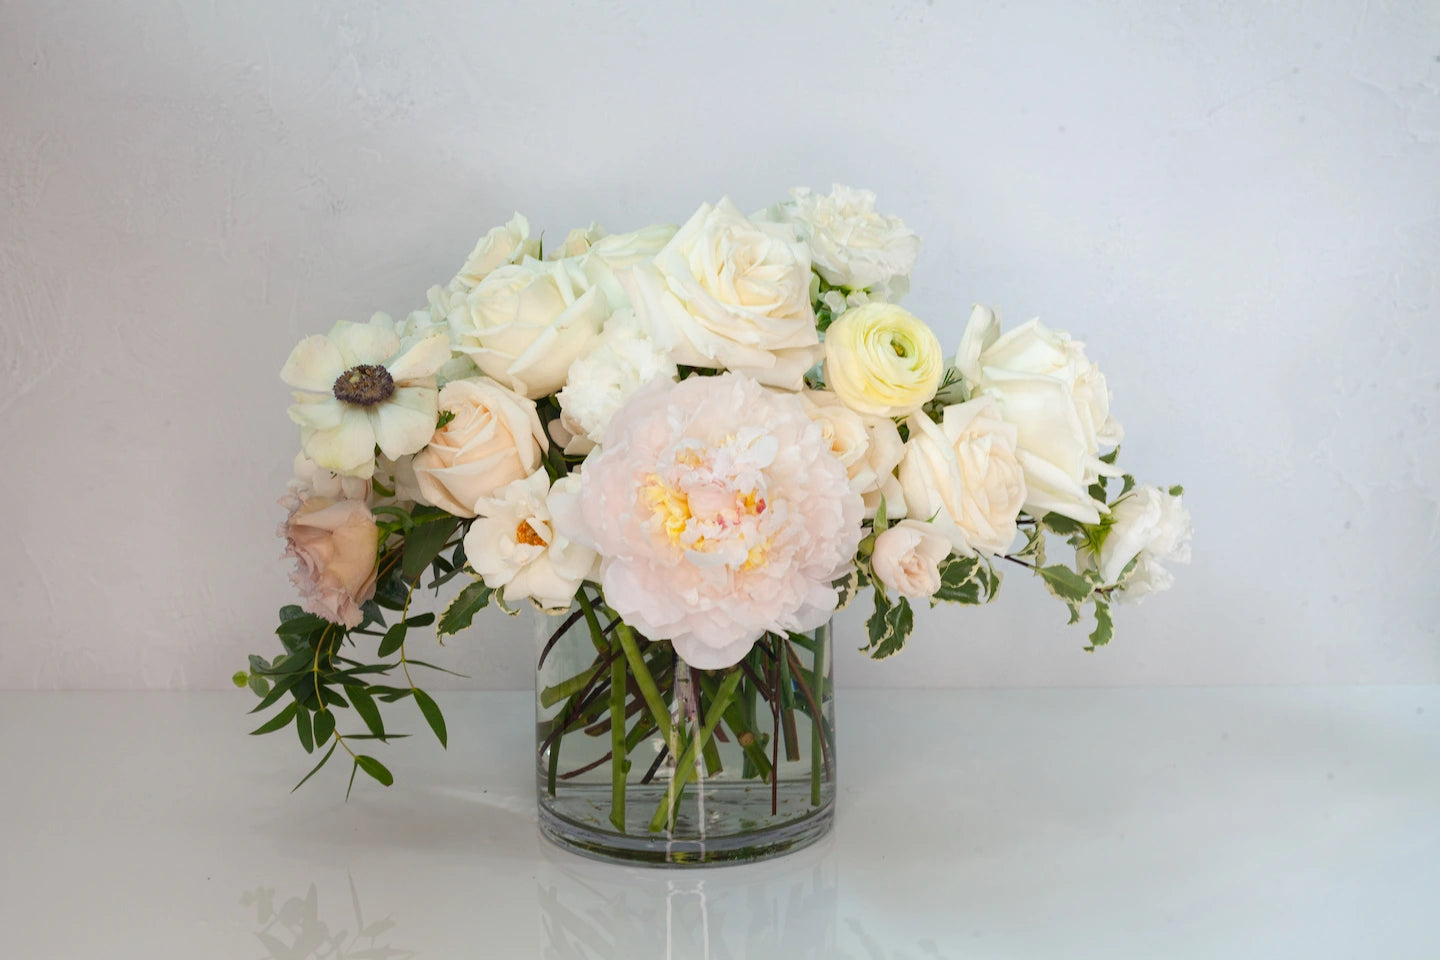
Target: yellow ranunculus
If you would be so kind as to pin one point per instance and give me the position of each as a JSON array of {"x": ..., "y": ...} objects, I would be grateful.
[{"x": 881, "y": 359}]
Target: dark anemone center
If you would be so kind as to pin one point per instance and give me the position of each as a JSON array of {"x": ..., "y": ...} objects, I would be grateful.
[{"x": 365, "y": 385}]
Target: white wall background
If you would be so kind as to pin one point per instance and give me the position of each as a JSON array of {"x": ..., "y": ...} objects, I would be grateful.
[{"x": 1236, "y": 204}]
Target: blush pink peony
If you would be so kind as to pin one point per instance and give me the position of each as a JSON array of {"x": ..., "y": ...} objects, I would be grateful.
[{"x": 720, "y": 512}]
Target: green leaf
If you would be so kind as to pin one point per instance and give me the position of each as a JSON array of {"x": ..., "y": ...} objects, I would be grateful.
[
  {"x": 961, "y": 580},
  {"x": 1097, "y": 490},
  {"x": 365, "y": 706},
  {"x": 432, "y": 713},
  {"x": 290, "y": 612},
  {"x": 278, "y": 691},
  {"x": 846, "y": 588},
  {"x": 391, "y": 590},
  {"x": 279, "y": 721},
  {"x": 430, "y": 666},
  {"x": 399, "y": 513},
  {"x": 259, "y": 685},
  {"x": 394, "y": 639},
  {"x": 324, "y": 725},
  {"x": 420, "y": 620},
  {"x": 1110, "y": 457},
  {"x": 461, "y": 611},
  {"x": 301, "y": 626},
  {"x": 424, "y": 543},
  {"x": 882, "y": 520},
  {"x": 1128, "y": 486},
  {"x": 1062, "y": 525},
  {"x": 303, "y": 730},
  {"x": 375, "y": 768},
  {"x": 316, "y": 769},
  {"x": 889, "y": 626},
  {"x": 1177, "y": 491},
  {"x": 1104, "y": 630},
  {"x": 1065, "y": 583}
]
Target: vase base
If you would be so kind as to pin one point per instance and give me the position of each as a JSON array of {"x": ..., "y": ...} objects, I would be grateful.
[{"x": 662, "y": 850}]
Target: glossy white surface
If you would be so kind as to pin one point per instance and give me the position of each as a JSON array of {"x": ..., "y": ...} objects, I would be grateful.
[{"x": 1228, "y": 823}]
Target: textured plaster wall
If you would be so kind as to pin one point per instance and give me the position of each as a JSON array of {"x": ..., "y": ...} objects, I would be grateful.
[{"x": 1236, "y": 204}]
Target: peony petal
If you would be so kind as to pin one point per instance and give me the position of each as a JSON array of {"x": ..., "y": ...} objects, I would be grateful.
[
  {"x": 702, "y": 656},
  {"x": 373, "y": 342},
  {"x": 406, "y": 422},
  {"x": 313, "y": 365},
  {"x": 422, "y": 359}
]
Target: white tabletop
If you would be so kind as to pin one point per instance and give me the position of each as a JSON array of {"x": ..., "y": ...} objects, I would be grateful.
[{"x": 1155, "y": 824}]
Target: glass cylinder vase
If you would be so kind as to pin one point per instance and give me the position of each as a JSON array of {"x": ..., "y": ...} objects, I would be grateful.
[{"x": 713, "y": 765}]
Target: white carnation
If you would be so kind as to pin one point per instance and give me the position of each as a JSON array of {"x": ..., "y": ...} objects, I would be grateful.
[
  {"x": 623, "y": 361},
  {"x": 851, "y": 245}
]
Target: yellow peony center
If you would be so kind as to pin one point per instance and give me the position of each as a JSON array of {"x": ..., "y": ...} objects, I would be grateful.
[{"x": 728, "y": 528}]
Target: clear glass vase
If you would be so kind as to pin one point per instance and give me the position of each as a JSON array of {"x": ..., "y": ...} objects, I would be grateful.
[{"x": 715, "y": 765}]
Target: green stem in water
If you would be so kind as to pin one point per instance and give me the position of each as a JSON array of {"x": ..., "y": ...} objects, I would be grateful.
[
  {"x": 817, "y": 677},
  {"x": 644, "y": 680},
  {"x": 567, "y": 688},
  {"x": 685, "y": 765},
  {"x": 741, "y": 726},
  {"x": 619, "y": 756},
  {"x": 787, "y": 703}
]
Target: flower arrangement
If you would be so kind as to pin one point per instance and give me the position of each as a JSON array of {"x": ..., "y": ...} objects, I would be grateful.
[{"x": 704, "y": 441}]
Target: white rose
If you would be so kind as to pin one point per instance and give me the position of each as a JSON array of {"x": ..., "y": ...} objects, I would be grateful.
[
  {"x": 515, "y": 547},
  {"x": 869, "y": 447},
  {"x": 1058, "y": 400},
  {"x": 1149, "y": 525},
  {"x": 526, "y": 323},
  {"x": 433, "y": 318},
  {"x": 608, "y": 256},
  {"x": 907, "y": 558},
  {"x": 964, "y": 473},
  {"x": 622, "y": 361},
  {"x": 576, "y": 242},
  {"x": 732, "y": 294},
  {"x": 494, "y": 438},
  {"x": 850, "y": 244},
  {"x": 511, "y": 243}
]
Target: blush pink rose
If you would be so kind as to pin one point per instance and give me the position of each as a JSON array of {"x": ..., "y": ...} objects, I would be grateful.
[{"x": 333, "y": 543}]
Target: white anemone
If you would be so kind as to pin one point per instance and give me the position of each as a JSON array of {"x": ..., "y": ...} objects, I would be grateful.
[{"x": 358, "y": 388}]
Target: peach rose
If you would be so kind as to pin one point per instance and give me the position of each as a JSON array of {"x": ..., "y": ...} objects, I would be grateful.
[
  {"x": 494, "y": 438},
  {"x": 907, "y": 558},
  {"x": 333, "y": 543}
]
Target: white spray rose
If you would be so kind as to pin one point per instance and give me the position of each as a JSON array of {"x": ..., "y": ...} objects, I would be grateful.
[
  {"x": 526, "y": 323},
  {"x": 515, "y": 548},
  {"x": 312, "y": 480},
  {"x": 963, "y": 472},
  {"x": 907, "y": 558},
  {"x": 1058, "y": 400},
  {"x": 1149, "y": 525},
  {"x": 869, "y": 447},
  {"x": 511, "y": 243},
  {"x": 493, "y": 438},
  {"x": 732, "y": 294},
  {"x": 850, "y": 244},
  {"x": 622, "y": 361},
  {"x": 608, "y": 256}
]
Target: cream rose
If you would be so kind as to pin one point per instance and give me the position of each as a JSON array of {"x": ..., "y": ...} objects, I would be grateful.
[
  {"x": 609, "y": 255},
  {"x": 494, "y": 438},
  {"x": 577, "y": 242},
  {"x": 850, "y": 244},
  {"x": 729, "y": 293},
  {"x": 334, "y": 546},
  {"x": 516, "y": 549},
  {"x": 511, "y": 243},
  {"x": 869, "y": 447},
  {"x": 525, "y": 324},
  {"x": 312, "y": 480},
  {"x": 963, "y": 472},
  {"x": 907, "y": 558},
  {"x": 1058, "y": 400},
  {"x": 882, "y": 360}
]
